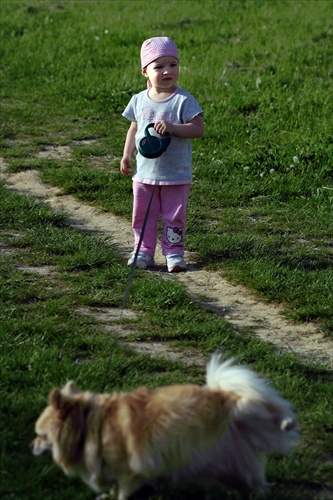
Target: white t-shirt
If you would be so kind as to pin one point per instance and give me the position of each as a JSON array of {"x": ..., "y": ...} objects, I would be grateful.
[{"x": 175, "y": 164}]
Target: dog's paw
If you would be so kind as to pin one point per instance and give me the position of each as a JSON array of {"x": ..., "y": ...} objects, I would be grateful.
[{"x": 102, "y": 496}]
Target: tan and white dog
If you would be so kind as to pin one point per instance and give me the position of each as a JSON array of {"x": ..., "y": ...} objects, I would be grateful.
[{"x": 220, "y": 432}]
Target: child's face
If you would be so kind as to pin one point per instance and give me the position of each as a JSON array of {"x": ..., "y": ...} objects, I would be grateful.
[{"x": 163, "y": 73}]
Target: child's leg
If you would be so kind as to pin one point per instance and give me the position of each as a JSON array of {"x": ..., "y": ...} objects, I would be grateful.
[
  {"x": 173, "y": 210},
  {"x": 141, "y": 198}
]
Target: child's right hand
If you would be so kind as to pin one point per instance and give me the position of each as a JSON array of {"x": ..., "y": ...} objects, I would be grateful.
[{"x": 126, "y": 165}]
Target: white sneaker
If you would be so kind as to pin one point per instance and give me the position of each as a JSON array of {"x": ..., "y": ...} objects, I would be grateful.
[
  {"x": 175, "y": 263},
  {"x": 143, "y": 261}
]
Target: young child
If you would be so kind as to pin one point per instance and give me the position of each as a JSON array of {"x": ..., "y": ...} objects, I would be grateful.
[{"x": 175, "y": 112}]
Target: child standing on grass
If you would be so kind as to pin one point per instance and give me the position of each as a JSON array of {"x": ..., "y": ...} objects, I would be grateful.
[{"x": 173, "y": 111}]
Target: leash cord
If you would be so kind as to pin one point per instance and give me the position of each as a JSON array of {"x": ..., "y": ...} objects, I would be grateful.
[{"x": 129, "y": 281}]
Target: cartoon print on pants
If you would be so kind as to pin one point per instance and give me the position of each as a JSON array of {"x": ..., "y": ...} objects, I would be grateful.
[{"x": 174, "y": 234}]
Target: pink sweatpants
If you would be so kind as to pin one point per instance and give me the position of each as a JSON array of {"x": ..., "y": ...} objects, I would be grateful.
[{"x": 171, "y": 203}]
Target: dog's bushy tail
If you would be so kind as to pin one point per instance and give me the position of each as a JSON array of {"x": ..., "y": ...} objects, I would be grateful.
[
  {"x": 258, "y": 406},
  {"x": 241, "y": 380}
]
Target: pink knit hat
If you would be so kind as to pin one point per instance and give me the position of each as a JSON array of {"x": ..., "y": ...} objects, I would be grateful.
[{"x": 153, "y": 48}]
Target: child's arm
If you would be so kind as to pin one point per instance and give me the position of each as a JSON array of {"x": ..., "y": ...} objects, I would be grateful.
[
  {"x": 190, "y": 130},
  {"x": 129, "y": 148}
]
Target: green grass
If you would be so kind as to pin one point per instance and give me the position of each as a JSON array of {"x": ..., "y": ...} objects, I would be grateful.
[
  {"x": 44, "y": 342},
  {"x": 262, "y": 199},
  {"x": 260, "y": 209}
]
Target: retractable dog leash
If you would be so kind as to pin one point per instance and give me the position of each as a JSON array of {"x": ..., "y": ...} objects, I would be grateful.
[{"x": 150, "y": 146}]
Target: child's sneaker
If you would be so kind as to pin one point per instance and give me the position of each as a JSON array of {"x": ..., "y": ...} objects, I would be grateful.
[
  {"x": 175, "y": 263},
  {"x": 143, "y": 261}
]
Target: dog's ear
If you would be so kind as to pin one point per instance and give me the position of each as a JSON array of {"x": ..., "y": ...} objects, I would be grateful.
[
  {"x": 60, "y": 401},
  {"x": 70, "y": 388},
  {"x": 71, "y": 420},
  {"x": 55, "y": 398}
]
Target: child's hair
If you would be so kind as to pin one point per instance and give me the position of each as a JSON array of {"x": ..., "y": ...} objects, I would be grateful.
[{"x": 160, "y": 46}]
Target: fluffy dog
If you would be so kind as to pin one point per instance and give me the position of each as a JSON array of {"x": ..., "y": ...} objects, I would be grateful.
[{"x": 180, "y": 433}]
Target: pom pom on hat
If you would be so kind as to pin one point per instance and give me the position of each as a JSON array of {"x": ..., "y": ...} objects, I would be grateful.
[{"x": 153, "y": 48}]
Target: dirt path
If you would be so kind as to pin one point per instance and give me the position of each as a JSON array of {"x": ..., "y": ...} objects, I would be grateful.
[{"x": 234, "y": 303}]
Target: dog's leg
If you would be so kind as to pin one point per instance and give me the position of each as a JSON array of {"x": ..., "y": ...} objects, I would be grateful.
[{"x": 127, "y": 485}]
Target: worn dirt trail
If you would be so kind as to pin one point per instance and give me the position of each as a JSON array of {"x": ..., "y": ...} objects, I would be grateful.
[{"x": 233, "y": 302}]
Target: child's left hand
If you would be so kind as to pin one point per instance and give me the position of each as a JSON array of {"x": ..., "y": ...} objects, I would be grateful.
[
  {"x": 189, "y": 130},
  {"x": 163, "y": 127}
]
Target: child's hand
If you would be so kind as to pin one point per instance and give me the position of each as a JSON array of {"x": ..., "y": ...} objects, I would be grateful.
[
  {"x": 189, "y": 130},
  {"x": 163, "y": 127},
  {"x": 126, "y": 165}
]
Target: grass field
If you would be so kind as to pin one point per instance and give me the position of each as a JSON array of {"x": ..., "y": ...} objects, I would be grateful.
[{"x": 260, "y": 211}]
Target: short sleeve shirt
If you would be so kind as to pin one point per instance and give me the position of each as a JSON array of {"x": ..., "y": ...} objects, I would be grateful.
[{"x": 174, "y": 166}]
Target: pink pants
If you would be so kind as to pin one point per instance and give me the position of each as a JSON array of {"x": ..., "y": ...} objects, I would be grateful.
[{"x": 171, "y": 203}]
